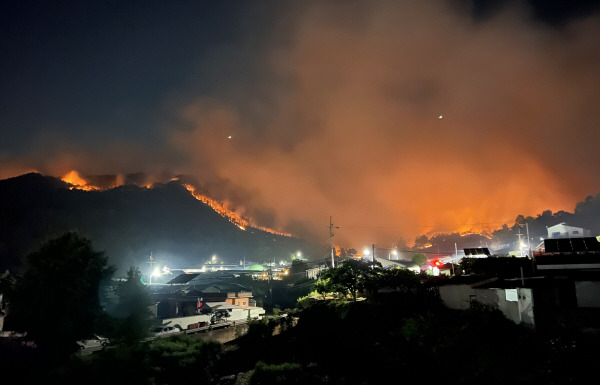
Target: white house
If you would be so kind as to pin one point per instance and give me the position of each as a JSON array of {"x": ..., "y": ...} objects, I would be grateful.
[{"x": 563, "y": 231}]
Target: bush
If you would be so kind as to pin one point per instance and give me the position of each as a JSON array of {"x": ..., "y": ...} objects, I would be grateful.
[{"x": 285, "y": 373}]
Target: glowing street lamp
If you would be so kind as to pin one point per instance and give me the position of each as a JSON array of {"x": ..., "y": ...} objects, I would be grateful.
[
  {"x": 155, "y": 273},
  {"x": 366, "y": 252}
]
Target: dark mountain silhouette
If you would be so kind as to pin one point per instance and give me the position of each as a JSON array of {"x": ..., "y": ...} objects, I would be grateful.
[{"x": 129, "y": 223}]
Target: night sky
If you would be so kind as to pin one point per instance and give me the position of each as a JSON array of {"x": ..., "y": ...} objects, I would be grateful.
[{"x": 393, "y": 117}]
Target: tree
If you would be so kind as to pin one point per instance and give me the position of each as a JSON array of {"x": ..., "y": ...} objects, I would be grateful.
[
  {"x": 419, "y": 259},
  {"x": 298, "y": 268},
  {"x": 56, "y": 301},
  {"x": 348, "y": 279},
  {"x": 323, "y": 285},
  {"x": 403, "y": 280},
  {"x": 131, "y": 316},
  {"x": 421, "y": 241}
]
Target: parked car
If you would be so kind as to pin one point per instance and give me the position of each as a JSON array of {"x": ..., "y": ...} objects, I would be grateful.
[
  {"x": 161, "y": 331},
  {"x": 96, "y": 342}
]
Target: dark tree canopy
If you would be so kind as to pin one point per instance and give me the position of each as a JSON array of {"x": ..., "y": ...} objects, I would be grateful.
[
  {"x": 349, "y": 278},
  {"x": 56, "y": 301},
  {"x": 130, "y": 317}
]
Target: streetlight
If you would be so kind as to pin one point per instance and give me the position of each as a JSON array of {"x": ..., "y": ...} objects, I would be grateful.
[
  {"x": 155, "y": 273},
  {"x": 394, "y": 253}
]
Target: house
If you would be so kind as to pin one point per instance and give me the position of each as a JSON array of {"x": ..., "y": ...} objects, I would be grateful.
[
  {"x": 398, "y": 263},
  {"x": 201, "y": 294},
  {"x": 514, "y": 300},
  {"x": 562, "y": 288},
  {"x": 231, "y": 293},
  {"x": 561, "y": 230},
  {"x": 314, "y": 272}
]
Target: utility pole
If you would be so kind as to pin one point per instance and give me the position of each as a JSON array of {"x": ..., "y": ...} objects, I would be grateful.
[
  {"x": 528, "y": 240},
  {"x": 456, "y": 257},
  {"x": 373, "y": 257},
  {"x": 270, "y": 285},
  {"x": 331, "y": 238},
  {"x": 520, "y": 248},
  {"x": 151, "y": 267}
]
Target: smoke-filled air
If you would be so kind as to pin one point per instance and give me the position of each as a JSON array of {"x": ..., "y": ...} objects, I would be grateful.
[{"x": 392, "y": 118}]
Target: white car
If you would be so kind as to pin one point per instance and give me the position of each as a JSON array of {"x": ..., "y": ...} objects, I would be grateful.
[
  {"x": 164, "y": 331},
  {"x": 93, "y": 343}
]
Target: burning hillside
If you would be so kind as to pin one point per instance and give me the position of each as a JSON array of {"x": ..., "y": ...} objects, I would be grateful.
[
  {"x": 75, "y": 181},
  {"x": 105, "y": 182},
  {"x": 218, "y": 207}
]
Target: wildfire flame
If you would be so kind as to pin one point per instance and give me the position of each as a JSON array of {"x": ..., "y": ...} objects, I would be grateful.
[
  {"x": 218, "y": 207},
  {"x": 77, "y": 182},
  {"x": 475, "y": 230},
  {"x": 232, "y": 216}
]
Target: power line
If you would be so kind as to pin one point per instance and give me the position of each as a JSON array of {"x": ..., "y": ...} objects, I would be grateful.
[{"x": 422, "y": 226}]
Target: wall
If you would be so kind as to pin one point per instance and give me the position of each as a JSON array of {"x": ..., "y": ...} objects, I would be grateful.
[
  {"x": 588, "y": 293},
  {"x": 185, "y": 321},
  {"x": 456, "y": 296},
  {"x": 223, "y": 335},
  {"x": 236, "y": 315},
  {"x": 459, "y": 297}
]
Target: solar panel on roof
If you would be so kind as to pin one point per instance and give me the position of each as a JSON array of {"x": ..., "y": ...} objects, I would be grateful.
[
  {"x": 578, "y": 244},
  {"x": 564, "y": 245},
  {"x": 592, "y": 244},
  {"x": 551, "y": 245},
  {"x": 477, "y": 251},
  {"x": 570, "y": 245}
]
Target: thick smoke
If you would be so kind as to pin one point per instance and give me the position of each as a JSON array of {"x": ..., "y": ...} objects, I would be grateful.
[{"x": 399, "y": 118}]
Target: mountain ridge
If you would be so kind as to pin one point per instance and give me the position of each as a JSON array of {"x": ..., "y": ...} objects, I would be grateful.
[{"x": 129, "y": 223}]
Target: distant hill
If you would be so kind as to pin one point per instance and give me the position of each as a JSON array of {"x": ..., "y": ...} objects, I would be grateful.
[
  {"x": 586, "y": 214},
  {"x": 129, "y": 223}
]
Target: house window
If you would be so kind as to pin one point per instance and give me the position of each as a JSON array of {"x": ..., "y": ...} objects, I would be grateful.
[{"x": 575, "y": 232}]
